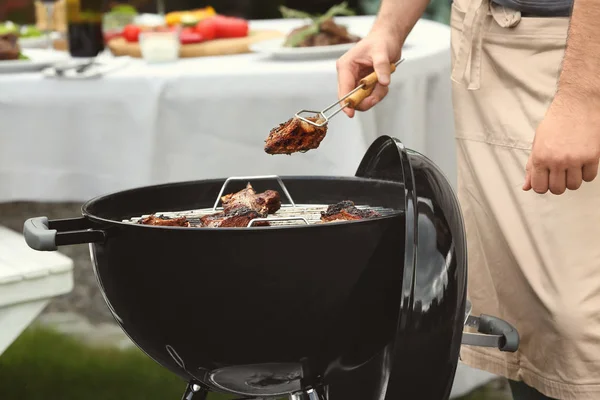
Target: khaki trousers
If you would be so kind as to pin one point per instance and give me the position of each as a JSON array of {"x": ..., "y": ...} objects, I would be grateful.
[{"x": 534, "y": 260}]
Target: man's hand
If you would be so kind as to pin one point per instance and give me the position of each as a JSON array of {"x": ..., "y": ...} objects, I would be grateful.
[
  {"x": 376, "y": 52},
  {"x": 566, "y": 148}
]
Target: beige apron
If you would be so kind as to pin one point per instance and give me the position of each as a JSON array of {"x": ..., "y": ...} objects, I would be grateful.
[{"x": 534, "y": 260}]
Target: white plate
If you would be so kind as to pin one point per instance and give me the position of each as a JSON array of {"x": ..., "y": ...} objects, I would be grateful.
[
  {"x": 39, "y": 59},
  {"x": 275, "y": 49},
  {"x": 39, "y": 42}
]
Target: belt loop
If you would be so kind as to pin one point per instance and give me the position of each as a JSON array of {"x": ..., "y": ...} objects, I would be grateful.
[{"x": 504, "y": 16}]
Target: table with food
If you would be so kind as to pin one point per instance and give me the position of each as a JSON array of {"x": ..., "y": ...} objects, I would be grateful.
[{"x": 195, "y": 94}]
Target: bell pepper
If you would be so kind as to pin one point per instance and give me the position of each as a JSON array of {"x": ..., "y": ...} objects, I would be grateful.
[
  {"x": 175, "y": 17},
  {"x": 189, "y": 36},
  {"x": 204, "y": 13}
]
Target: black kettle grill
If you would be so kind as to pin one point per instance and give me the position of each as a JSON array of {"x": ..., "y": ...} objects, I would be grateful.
[{"x": 368, "y": 310}]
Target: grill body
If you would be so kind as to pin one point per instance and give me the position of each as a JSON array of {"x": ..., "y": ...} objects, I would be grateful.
[
  {"x": 301, "y": 297},
  {"x": 364, "y": 310}
]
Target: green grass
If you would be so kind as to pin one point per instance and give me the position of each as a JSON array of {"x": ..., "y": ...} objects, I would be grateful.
[
  {"x": 45, "y": 365},
  {"x": 485, "y": 393},
  {"x": 42, "y": 364}
]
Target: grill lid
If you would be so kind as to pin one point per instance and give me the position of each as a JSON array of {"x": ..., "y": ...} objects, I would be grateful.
[{"x": 388, "y": 159}]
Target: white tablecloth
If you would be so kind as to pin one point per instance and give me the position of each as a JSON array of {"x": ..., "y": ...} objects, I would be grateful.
[{"x": 206, "y": 118}]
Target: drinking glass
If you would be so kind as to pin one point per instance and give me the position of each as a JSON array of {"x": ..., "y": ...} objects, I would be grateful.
[{"x": 49, "y": 7}]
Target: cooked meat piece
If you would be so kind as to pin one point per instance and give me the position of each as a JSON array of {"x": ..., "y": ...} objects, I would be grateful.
[
  {"x": 329, "y": 33},
  {"x": 346, "y": 211},
  {"x": 266, "y": 202},
  {"x": 165, "y": 221},
  {"x": 238, "y": 217},
  {"x": 329, "y": 26},
  {"x": 294, "y": 136},
  {"x": 9, "y": 47},
  {"x": 322, "y": 39},
  {"x": 327, "y": 39},
  {"x": 338, "y": 34}
]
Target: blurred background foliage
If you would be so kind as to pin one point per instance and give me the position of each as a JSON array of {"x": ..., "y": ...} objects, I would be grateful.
[
  {"x": 438, "y": 10},
  {"x": 22, "y": 11}
]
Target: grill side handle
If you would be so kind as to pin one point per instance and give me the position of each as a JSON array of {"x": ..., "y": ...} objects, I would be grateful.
[
  {"x": 492, "y": 332},
  {"x": 44, "y": 235}
]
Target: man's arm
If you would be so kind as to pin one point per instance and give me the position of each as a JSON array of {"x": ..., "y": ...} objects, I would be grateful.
[
  {"x": 566, "y": 148},
  {"x": 580, "y": 74},
  {"x": 398, "y": 17}
]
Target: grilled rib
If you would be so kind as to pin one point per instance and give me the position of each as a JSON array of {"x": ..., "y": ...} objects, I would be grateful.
[
  {"x": 346, "y": 211},
  {"x": 165, "y": 221},
  {"x": 294, "y": 136},
  {"x": 266, "y": 202},
  {"x": 238, "y": 217}
]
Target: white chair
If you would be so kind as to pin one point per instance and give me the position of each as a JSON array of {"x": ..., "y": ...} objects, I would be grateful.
[{"x": 29, "y": 279}]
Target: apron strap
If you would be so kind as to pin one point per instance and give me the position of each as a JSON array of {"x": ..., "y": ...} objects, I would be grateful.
[
  {"x": 467, "y": 66},
  {"x": 468, "y": 59}
]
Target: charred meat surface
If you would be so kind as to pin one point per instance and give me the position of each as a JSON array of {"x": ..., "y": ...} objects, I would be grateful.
[
  {"x": 238, "y": 217},
  {"x": 266, "y": 202},
  {"x": 346, "y": 211},
  {"x": 295, "y": 136},
  {"x": 9, "y": 47},
  {"x": 165, "y": 221}
]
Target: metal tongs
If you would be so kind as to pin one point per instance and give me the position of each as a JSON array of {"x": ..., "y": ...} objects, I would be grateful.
[{"x": 352, "y": 99}]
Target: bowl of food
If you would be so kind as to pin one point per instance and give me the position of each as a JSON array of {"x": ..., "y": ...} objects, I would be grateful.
[{"x": 14, "y": 59}]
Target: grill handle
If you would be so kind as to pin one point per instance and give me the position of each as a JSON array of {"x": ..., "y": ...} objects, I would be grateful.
[
  {"x": 492, "y": 332},
  {"x": 44, "y": 235}
]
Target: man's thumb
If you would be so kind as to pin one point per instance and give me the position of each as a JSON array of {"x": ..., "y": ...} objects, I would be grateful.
[{"x": 383, "y": 68}]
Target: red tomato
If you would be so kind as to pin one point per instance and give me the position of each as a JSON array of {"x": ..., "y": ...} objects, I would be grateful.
[
  {"x": 231, "y": 27},
  {"x": 207, "y": 28},
  {"x": 131, "y": 33},
  {"x": 190, "y": 37}
]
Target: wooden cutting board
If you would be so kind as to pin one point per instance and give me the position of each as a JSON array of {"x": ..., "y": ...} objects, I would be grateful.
[{"x": 217, "y": 47}]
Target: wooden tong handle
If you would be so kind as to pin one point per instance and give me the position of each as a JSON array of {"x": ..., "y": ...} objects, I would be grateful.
[{"x": 369, "y": 81}]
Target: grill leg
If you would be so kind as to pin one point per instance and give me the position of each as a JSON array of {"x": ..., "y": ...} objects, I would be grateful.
[
  {"x": 196, "y": 392},
  {"x": 311, "y": 394}
]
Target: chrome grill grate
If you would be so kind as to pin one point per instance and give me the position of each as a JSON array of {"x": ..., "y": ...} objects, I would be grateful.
[{"x": 288, "y": 214}]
